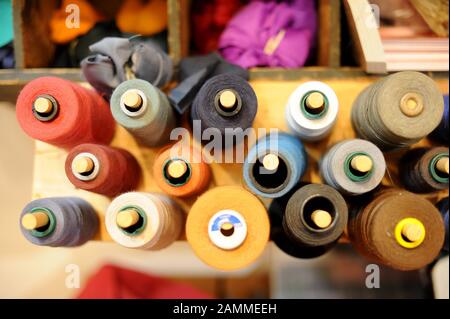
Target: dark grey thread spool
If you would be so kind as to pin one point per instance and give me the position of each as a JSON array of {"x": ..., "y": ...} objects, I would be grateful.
[
  {"x": 208, "y": 105},
  {"x": 144, "y": 111},
  {"x": 425, "y": 170},
  {"x": 68, "y": 222},
  {"x": 308, "y": 223},
  {"x": 398, "y": 110}
]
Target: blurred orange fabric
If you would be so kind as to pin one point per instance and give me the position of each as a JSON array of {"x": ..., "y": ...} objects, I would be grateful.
[{"x": 60, "y": 32}]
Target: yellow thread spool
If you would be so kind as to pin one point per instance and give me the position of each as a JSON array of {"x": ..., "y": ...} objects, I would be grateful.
[{"x": 410, "y": 232}]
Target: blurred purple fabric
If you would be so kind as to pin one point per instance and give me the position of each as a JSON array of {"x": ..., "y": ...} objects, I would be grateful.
[{"x": 245, "y": 38}]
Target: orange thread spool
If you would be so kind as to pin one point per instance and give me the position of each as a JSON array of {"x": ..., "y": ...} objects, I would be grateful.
[{"x": 181, "y": 171}]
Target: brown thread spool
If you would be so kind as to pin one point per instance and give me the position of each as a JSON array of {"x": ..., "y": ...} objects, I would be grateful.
[
  {"x": 102, "y": 169},
  {"x": 181, "y": 171},
  {"x": 398, "y": 229}
]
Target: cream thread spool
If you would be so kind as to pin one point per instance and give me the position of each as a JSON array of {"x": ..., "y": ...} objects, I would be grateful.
[{"x": 85, "y": 166}]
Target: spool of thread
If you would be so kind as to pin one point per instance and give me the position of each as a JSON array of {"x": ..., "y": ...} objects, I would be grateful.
[
  {"x": 442, "y": 132},
  {"x": 144, "y": 111},
  {"x": 442, "y": 205},
  {"x": 312, "y": 110},
  {"x": 64, "y": 114},
  {"x": 274, "y": 165},
  {"x": 309, "y": 222},
  {"x": 270, "y": 33},
  {"x": 424, "y": 170},
  {"x": 398, "y": 229},
  {"x": 228, "y": 228},
  {"x": 115, "y": 60},
  {"x": 144, "y": 220},
  {"x": 225, "y": 101},
  {"x": 102, "y": 169},
  {"x": 181, "y": 172},
  {"x": 59, "y": 222},
  {"x": 353, "y": 167},
  {"x": 398, "y": 110}
]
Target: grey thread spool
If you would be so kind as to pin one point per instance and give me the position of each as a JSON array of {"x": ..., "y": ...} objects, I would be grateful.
[
  {"x": 59, "y": 222},
  {"x": 398, "y": 110},
  {"x": 353, "y": 167},
  {"x": 425, "y": 170},
  {"x": 144, "y": 111}
]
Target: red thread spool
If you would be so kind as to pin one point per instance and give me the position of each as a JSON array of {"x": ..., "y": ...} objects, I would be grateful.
[
  {"x": 102, "y": 169},
  {"x": 181, "y": 171},
  {"x": 64, "y": 114}
]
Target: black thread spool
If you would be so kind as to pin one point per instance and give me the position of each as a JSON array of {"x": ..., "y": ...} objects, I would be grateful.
[
  {"x": 309, "y": 222},
  {"x": 225, "y": 101},
  {"x": 424, "y": 170},
  {"x": 59, "y": 222}
]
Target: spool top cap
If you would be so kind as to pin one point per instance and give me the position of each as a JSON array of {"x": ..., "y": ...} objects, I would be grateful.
[
  {"x": 315, "y": 101},
  {"x": 227, "y": 99},
  {"x": 411, "y": 104},
  {"x": 43, "y": 105},
  {"x": 442, "y": 165},
  {"x": 34, "y": 220},
  {"x": 127, "y": 218},
  {"x": 177, "y": 168},
  {"x": 132, "y": 99},
  {"x": 362, "y": 163},
  {"x": 271, "y": 162},
  {"x": 83, "y": 165},
  {"x": 321, "y": 218}
]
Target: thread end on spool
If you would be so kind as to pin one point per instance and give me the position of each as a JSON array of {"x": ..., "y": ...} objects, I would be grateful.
[
  {"x": 362, "y": 163},
  {"x": 83, "y": 165},
  {"x": 271, "y": 162},
  {"x": 32, "y": 221},
  {"x": 321, "y": 218},
  {"x": 127, "y": 218}
]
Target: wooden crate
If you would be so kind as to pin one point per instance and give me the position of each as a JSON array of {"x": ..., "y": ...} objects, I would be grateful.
[
  {"x": 32, "y": 44},
  {"x": 328, "y": 41}
]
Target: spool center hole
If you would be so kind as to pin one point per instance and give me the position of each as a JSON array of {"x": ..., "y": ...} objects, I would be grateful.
[
  {"x": 270, "y": 179},
  {"x": 227, "y": 229},
  {"x": 319, "y": 213},
  {"x": 136, "y": 226},
  {"x": 228, "y": 101},
  {"x": 133, "y": 101}
]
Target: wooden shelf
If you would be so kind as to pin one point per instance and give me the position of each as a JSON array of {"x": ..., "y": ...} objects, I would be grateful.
[{"x": 50, "y": 180}]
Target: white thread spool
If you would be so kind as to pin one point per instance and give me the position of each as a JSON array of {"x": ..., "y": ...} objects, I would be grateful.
[
  {"x": 314, "y": 127},
  {"x": 161, "y": 225},
  {"x": 227, "y": 229}
]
